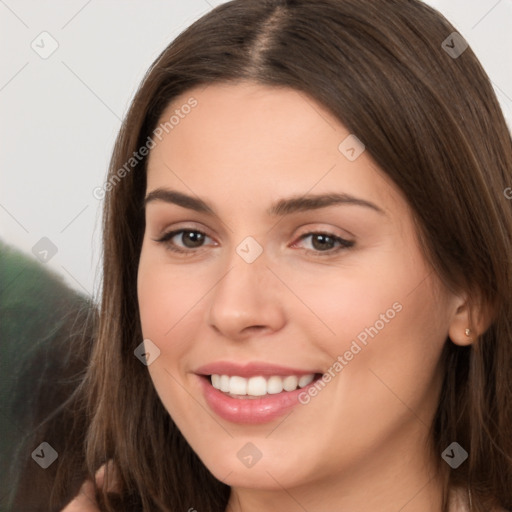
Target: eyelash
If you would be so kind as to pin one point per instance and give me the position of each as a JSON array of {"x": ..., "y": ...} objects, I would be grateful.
[{"x": 167, "y": 237}]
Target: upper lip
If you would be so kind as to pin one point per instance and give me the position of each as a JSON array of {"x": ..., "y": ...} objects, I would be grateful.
[{"x": 251, "y": 369}]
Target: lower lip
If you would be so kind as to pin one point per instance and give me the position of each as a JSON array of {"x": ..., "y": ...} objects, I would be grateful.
[{"x": 250, "y": 410}]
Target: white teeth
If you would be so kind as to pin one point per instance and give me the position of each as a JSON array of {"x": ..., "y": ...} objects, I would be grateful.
[
  {"x": 274, "y": 385},
  {"x": 259, "y": 386},
  {"x": 305, "y": 380},
  {"x": 290, "y": 383},
  {"x": 224, "y": 383},
  {"x": 237, "y": 385},
  {"x": 216, "y": 381},
  {"x": 256, "y": 386}
]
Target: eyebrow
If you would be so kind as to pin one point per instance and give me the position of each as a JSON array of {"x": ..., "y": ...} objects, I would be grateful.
[{"x": 283, "y": 207}]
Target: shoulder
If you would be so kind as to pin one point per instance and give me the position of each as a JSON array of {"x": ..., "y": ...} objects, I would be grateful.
[{"x": 459, "y": 501}]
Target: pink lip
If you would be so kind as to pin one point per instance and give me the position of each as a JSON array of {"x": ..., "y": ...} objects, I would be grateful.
[
  {"x": 250, "y": 370},
  {"x": 246, "y": 410},
  {"x": 249, "y": 410}
]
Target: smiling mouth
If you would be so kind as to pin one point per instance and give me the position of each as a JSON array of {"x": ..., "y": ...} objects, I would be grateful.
[
  {"x": 253, "y": 393},
  {"x": 259, "y": 386}
]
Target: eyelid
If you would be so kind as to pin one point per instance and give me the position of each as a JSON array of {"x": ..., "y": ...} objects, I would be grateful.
[
  {"x": 186, "y": 226},
  {"x": 326, "y": 229}
]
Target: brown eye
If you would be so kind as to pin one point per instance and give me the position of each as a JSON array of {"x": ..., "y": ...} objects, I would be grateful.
[
  {"x": 325, "y": 242},
  {"x": 322, "y": 242},
  {"x": 184, "y": 240},
  {"x": 192, "y": 239}
]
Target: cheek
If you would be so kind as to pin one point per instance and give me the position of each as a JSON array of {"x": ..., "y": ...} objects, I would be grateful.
[
  {"x": 168, "y": 299},
  {"x": 339, "y": 304},
  {"x": 171, "y": 300},
  {"x": 384, "y": 322},
  {"x": 396, "y": 370}
]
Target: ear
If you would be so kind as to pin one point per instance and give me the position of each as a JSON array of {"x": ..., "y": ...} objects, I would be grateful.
[{"x": 470, "y": 319}]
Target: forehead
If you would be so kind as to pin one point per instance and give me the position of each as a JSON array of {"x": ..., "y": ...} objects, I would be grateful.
[
  {"x": 241, "y": 120},
  {"x": 247, "y": 139}
]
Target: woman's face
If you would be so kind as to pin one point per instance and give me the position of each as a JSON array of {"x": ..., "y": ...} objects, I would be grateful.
[{"x": 291, "y": 256}]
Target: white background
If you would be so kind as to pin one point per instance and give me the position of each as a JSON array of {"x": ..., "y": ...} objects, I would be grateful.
[{"x": 60, "y": 115}]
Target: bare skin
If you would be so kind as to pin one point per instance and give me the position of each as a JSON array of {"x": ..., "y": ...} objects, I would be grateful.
[
  {"x": 85, "y": 500},
  {"x": 360, "y": 443}
]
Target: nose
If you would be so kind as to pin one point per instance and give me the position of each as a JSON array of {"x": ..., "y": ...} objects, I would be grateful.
[{"x": 246, "y": 301}]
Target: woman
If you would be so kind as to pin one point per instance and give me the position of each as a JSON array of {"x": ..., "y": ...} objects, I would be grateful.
[{"x": 305, "y": 222}]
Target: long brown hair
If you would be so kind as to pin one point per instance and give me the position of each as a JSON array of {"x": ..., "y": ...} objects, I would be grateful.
[{"x": 431, "y": 122}]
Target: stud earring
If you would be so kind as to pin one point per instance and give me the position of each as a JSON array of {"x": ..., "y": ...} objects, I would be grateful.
[{"x": 468, "y": 331}]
